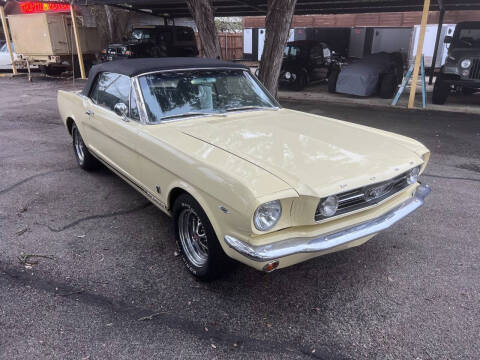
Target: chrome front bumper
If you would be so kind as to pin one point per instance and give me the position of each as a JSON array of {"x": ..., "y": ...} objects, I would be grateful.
[{"x": 293, "y": 246}]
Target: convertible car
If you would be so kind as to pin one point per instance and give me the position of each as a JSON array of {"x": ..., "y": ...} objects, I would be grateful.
[{"x": 242, "y": 177}]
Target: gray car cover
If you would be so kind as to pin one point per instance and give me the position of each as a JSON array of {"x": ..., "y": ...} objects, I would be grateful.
[{"x": 361, "y": 77}]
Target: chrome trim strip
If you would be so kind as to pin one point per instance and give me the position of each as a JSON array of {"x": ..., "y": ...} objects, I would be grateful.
[
  {"x": 353, "y": 197},
  {"x": 140, "y": 103},
  {"x": 293, "y": 246},
  {"x": 193, "y": 69}
]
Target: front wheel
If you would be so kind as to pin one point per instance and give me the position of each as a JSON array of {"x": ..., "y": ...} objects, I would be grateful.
[
  {"x": 332, "y": 81},
  {"x": 196, "y": 240},
  {"x": 441, "y": 90},
  {"x": 300, "y": 82},
  {"x": 388, "y": 85},
  {"x": 84, "y": 159}
]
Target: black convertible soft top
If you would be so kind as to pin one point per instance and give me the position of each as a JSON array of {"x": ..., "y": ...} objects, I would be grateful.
[{"x": 133, "y": 67}]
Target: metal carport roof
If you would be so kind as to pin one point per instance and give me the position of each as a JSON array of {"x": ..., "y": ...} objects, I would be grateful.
[{"x": 178, "y": 8}]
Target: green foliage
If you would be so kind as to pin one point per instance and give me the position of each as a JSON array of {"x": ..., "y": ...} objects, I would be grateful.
[{"x": 229, "y": 24}]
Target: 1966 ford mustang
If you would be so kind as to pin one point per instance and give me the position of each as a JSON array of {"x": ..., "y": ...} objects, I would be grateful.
[{"x": 241, "y": 177}]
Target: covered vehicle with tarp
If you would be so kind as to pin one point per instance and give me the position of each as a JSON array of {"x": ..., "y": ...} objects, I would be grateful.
[{"x": 378, "y": 73}]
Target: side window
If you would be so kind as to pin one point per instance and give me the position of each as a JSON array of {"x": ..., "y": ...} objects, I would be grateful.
[{"x": 111, "y": 89}]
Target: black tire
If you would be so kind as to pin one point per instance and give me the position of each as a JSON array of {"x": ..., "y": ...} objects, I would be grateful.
[
  {"x": 84, "y": 159},
  {"x": 51, "y": 70},
  {"x": 332, "y": 81},
  {"x": 441, "y": 90},
  {"x": 300, "y": 82},
  {"x": 210, "y": 263},
  {"x": 388, "y": 86}
]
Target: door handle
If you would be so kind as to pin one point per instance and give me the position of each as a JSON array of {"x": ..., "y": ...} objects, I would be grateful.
[{"x": 89, "y": 112}]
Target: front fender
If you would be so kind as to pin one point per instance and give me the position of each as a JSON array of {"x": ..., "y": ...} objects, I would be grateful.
[{"x": 221, "y": 222}]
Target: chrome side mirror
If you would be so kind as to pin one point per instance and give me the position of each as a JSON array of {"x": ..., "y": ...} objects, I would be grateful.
[{"x": 121, "y": 110}]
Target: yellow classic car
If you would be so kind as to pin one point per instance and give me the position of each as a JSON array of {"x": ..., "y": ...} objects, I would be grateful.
[{"x": 242, "y": 177}]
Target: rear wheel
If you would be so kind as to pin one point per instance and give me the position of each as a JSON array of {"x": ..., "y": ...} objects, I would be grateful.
[
  {"x": 84, "y": 159},
  {"x": 388, "y": 85},
  {"x": 196, "y": 240},
  {"x": 332, "y": 81},
  {"x": 441, "y": 90}
]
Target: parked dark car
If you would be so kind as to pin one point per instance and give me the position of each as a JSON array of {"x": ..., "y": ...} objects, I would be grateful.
[
  {"x": 157, "y": 41},
  {"x": 305, "y": 61},
  {"x": 379, "y": 73},
  {"x": 462, "y": 67}
]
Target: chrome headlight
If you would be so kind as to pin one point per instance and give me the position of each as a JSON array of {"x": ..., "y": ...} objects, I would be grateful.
[
  {"x": 412, "y": 176},
  {"x": 288, "y": 75},
  {"x": 465, "y": 64},
  {"x": 328, "y": 207},
  {"x": 267, "y": 215}
]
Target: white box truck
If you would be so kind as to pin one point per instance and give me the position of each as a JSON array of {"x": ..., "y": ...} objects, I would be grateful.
[{"x": 47, "y": 40}]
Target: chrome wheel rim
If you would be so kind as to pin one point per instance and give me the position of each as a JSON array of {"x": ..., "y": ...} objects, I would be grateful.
[
  {"x": 79, "y": 146},
  {"x": 193, "y": 237}
]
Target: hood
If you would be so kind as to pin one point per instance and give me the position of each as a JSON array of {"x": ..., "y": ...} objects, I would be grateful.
[
  {"x": 316, "y": 156},
  {"x": 460, "y": 53},
  {"x": 289, "y": 63}
]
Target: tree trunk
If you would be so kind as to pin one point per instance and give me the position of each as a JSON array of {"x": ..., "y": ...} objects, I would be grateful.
[
  {"x": 203, "y": 14},
  {"x": 277, "y": 24},
  {"x": 111, "y": 27}
]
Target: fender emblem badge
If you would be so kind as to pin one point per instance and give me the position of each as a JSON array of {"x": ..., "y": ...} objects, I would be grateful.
[{"x": 224, "y": 209}]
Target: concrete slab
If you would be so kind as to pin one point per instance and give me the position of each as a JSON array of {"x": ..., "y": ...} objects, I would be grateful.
[
  {"x": 410, "y": 293},
  {"x": 318, "y": 92}
]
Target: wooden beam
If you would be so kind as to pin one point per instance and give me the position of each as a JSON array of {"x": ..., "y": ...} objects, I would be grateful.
[
  {"x": 246, "y": 3},
  {"x": 77, "y": 42},
  {"x": 7, "y": 38},
  {"x": 418, "y": 57}
]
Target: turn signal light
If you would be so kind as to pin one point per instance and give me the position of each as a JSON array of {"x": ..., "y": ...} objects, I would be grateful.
[{"x": 271, "y": 266}]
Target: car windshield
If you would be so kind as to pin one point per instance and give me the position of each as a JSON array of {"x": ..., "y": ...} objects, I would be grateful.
[
  {"x": 176, "y": 95},
  {"x": 140, "y": 34},
  {"x": 184, "y": 34},
  {"x": 467, "y": 38},
  {"x": 292, "y": 51}
]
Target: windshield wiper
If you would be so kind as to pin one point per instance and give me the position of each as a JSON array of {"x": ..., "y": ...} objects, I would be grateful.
[
  {"x": 251, "y": 107},
  {"x": 191, "y": 113}
]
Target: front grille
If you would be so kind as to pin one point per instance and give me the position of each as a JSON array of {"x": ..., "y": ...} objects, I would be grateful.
[
  {"x": 475, "y": 69},
  {"x": 366, "y": 196}
]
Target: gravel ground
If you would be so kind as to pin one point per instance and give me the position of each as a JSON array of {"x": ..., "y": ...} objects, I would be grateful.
[{"x": 113, "y": 289}]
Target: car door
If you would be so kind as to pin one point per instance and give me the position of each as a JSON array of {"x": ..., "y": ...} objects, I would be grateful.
[{"x": 113, "y": 137}]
